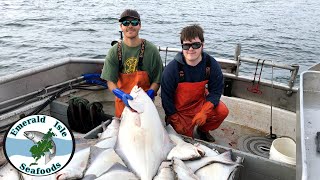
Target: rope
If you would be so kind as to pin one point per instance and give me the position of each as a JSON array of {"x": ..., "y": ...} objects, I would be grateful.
[{"x": 255, "y": 87}]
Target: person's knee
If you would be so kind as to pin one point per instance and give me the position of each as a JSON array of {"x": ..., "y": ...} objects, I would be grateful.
[{"x": 223, "y": 111}]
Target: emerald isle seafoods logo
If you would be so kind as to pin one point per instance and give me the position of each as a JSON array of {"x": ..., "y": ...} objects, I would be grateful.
[{"x": 39, "y": 145}]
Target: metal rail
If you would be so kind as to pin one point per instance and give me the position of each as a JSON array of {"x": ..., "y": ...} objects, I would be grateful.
[
  {"x": 37, "y": 95},
  {"x": 234, "y": 64},
  {"x": 294, "y": 68}
]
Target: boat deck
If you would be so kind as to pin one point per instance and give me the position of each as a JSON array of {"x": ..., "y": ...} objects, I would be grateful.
[{"x": 229, "y": 134}]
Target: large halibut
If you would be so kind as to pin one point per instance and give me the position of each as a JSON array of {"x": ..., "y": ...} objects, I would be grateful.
[{"x": 142, "y": 142}]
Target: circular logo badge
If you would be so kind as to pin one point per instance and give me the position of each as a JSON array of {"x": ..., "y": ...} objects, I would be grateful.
[{"x": 39, "y": 145}]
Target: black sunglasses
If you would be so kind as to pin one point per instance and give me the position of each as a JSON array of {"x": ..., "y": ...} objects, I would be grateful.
[
  {"x": 134, "y": 22},
  {"x": 195, "y": 45}
]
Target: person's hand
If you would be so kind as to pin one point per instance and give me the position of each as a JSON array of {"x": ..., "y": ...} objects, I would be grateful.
[
  {"x": 123, "y": 96},
  {"x": 201, "y": 117},
  {"x": 150, "y": 93}
]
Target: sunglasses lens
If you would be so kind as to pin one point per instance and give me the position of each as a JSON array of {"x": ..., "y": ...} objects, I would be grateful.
[
  {"x": 133, "y": 22},
  {"x": 186, "y": 46},
  {"x": 125, "y": 23},
  {"x": 195, "y": 45}
]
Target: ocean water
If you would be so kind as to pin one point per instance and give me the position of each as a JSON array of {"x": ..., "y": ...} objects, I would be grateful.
[
  {"x": 63, "y": 147},
  {"x": 35, "y": 32}
]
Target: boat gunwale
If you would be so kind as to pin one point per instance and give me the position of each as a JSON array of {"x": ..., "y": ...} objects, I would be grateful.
[{"x": 46, "y": 67}]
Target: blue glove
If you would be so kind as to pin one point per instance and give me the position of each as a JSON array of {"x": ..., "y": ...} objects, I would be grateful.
[
  {"x": 122, "y": 95},
  {"x": 96, "y": 81},
  {"x": 150, "y": 93},
  {"x": 91, "y": 76}
]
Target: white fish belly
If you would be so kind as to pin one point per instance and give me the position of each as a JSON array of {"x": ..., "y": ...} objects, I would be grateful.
[
  {"x": 118, "y": 175},
  {"x": 9, "y": 172},
  {"x": 29, "y": 177},
  {"x": 215, "y": 171},
  {"x": 165, "y": 171},
  {"x": 103, "y": 163},
  {"x": 142, "y": 142},
  {"x": 75, "y": 168}
]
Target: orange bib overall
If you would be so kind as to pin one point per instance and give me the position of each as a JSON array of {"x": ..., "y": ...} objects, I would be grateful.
[
  {"x": 189, "y": 100},
  {"x": 127, "y": 81}
]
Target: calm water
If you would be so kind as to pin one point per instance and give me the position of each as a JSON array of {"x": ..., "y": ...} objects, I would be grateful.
[
  {"x": 34, "y": 32},
  {"x": 63, "y": 147}
]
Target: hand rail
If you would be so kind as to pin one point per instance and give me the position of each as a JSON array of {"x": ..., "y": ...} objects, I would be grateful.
[{"x": 293, "y": 68}]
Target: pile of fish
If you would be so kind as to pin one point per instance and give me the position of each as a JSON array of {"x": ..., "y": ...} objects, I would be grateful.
[
  {"x": 140, "y": 147},
  {"x": 2, "y": 156}
]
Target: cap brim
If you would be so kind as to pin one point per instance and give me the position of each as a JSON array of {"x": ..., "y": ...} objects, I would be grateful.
[{"x": 123, "y": 18}]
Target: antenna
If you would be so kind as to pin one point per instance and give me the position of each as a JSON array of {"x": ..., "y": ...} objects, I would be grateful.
[{"x": 271, "y": 136}]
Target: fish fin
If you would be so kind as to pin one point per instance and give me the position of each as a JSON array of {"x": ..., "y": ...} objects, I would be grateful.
[
  {"x": 117, "y": 166},
  {"x": 181, "y": 169},
  {"x": 226, "y": 155},
  {"x": 94, "y": 152},
  {"x": 166, "y": 164},
  {"x": 137, "y": 106},
  {"x": 104, "y": 125}
]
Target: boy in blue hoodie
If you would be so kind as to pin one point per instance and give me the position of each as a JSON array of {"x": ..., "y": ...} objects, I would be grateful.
[{"x": 191, "y": 88}]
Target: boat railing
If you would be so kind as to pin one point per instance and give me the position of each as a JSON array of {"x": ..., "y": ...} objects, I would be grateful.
[
  {"x": 293, "y": 68},
  {"x": 38, "y": 95},
  {"x": 14, "y": 95}
]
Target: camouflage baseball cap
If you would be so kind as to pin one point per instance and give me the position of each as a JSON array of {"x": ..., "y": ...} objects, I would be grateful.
[{"x": 129, "y": 13}]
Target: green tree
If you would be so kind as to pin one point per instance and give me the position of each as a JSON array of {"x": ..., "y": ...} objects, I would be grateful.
[{"x": 38, "y": 150}]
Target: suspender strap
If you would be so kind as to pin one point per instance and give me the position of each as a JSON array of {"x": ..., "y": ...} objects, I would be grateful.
[
  {"x": 208, "y": 68},
  {"x": 140, "y": 63},
  {"x": 119, "y": 50}
]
